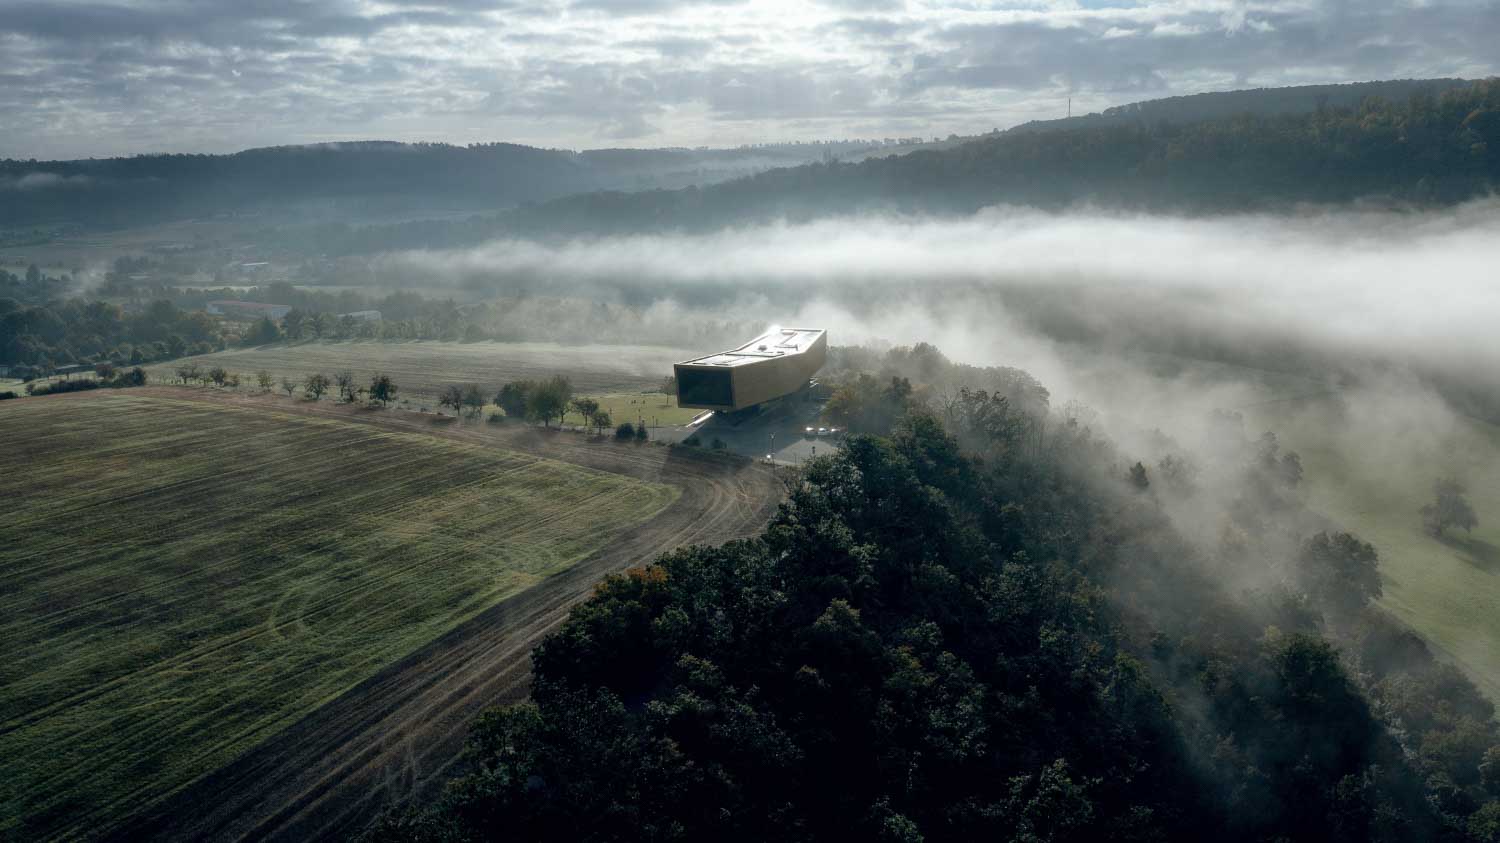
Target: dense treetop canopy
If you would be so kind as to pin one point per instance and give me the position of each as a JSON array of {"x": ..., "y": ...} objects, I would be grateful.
[{"x": 966, "y": 627}]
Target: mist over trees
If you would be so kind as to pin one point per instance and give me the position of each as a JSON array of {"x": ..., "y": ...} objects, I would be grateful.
[
  {"x": 972, "y": 625},
  {"x": 43, "y": 332},
  {"x": 1449, "y": 510}
]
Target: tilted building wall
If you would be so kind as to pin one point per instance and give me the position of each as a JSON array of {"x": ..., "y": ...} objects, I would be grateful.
[{"x": 773, "y": 365}]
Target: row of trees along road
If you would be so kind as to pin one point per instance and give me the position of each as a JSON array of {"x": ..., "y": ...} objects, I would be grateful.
[
  {"x": 533, "y": 400},
  {"x": 382, "y": 390}
]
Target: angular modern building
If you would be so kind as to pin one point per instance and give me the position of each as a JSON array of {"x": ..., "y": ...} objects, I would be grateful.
[{"x": 774, "y": 364}]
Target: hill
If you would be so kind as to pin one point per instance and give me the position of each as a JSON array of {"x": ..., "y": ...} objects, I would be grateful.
[
  {"x": 1423, "y": 151},
  {"x": 1371, "y": 472},
  {"x": 375, "y": 181},
  {"x": 1261, "y": 102},
  {"x": 361, "y": 180}
]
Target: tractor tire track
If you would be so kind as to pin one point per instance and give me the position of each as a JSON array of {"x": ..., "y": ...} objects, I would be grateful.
[{"x": 396, "y": 736}]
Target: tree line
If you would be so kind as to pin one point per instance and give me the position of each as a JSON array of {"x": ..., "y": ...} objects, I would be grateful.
[
  {"x": 382, "y": 390},
  {"x": 48, "y": 333},
  {"x": 107, "y": 377},
  {"x": 544, "y": 400},
  {"x": 539, "y": 401}
]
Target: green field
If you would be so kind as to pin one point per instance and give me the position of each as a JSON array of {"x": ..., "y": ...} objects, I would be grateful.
[
  {"x": 422, "y": 369},
  {"x": 182, "y": 580},
  {"x": 1370, "y": 464},
  {"x": 658, "y": 409}
]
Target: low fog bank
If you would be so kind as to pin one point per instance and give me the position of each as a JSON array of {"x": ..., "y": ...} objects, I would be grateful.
[
  {"x": 1326, "y": 297},
  {"x": 1366, "y": 334}
]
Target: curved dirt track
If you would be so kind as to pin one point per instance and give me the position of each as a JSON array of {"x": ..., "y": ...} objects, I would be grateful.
[{"x": 397, "y": 735}]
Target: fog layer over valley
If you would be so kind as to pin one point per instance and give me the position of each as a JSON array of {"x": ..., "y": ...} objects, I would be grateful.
[
  {"x": 1316, "y": 295},
  {"x": 1362, "y": 338},
  {"x": 1206, "y": 419}
]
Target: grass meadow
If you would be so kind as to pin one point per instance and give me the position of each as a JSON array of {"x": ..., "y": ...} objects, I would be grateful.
[
  {"x": 422, "y": 369},
  {"x": 1370, "y": 467},
  {"x": 179, "y": 581},
  {"x": 657, "y": 408}
]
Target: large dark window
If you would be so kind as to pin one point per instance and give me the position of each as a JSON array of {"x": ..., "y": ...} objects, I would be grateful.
[{"x": 695, "y": 386}]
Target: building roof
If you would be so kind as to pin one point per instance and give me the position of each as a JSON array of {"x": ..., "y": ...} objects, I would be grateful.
[{"x": 775, "y": 342}]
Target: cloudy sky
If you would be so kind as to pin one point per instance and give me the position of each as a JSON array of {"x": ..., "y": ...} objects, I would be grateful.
[{"x": 109, "y": 77}]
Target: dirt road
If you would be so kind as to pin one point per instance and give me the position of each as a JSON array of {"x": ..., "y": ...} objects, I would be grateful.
[{"x": 398, "y": 734}]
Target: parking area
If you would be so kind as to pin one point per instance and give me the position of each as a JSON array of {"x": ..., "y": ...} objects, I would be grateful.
[{"x": 788, "y": 434}]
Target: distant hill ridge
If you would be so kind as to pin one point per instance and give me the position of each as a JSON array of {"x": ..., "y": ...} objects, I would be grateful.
[
  {"x": 355, "y": 181},
  {"x": 1431, "y": 149},
  {"x": 1265, "y": 102},
  {"x": 346, "y": 178}
]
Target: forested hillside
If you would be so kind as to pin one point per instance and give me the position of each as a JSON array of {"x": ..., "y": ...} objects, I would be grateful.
[
  {"x": 1208, "y": 151},
  {"x": 979, "y": 622},
  {"x": 353, "y": 180},
  {"x": 1263, "y": 102},
  {"x": 1426, "y": 150}
]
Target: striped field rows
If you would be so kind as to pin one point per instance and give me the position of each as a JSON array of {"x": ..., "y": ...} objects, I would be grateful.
[{"x": 179, "y": 581}]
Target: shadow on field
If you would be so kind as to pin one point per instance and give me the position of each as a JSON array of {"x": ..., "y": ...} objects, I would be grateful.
[{"x": 1477, "y": 552}]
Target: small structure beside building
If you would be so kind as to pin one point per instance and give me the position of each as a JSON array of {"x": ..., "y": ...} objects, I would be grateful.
[{"x": 247, "y": 309}]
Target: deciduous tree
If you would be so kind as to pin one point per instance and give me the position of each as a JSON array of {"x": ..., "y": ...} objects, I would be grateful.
[
  {"x": 1450, "y": 509},
  {"x": 585, "y": 408},
  {"x": 452, "y": 396},
  {"x": 549, "y": 399},
  {"x": 1340, "y": 571},
  {"x": 347, "y": 390},
  {"x": 513, "y": 398},
  {"x": 316, "y": 385},
  {"x": 473, "y": 399},
  {"x": 382, "y": 389}
]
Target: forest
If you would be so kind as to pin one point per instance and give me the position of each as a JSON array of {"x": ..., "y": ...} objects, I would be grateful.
[
  {"x": 1425, "y": 150},
  {"x": 356, "y": 179},
  {"x": 40, "y": 329},
  {"x": 989, "y": 622}
]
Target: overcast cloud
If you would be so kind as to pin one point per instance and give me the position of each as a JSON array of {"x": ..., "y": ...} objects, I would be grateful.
[{"x": 109, "y": 77}]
